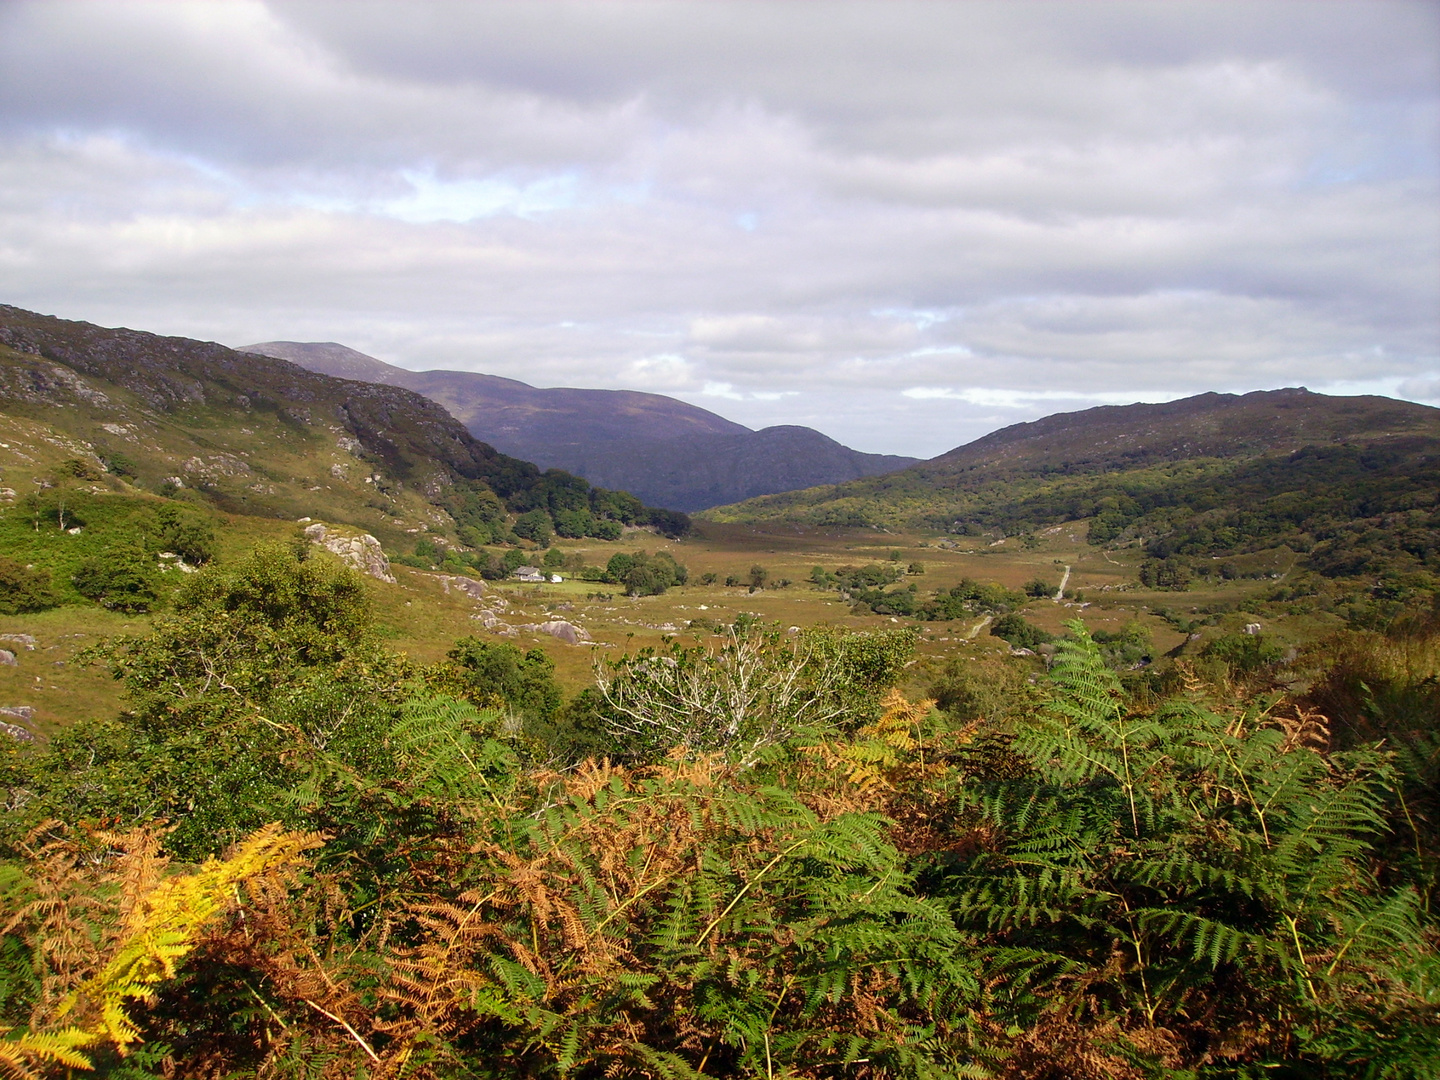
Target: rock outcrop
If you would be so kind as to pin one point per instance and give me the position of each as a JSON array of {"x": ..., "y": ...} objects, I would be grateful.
[
  {"x": 561, "y": 630},
  {"x": 362, "y": 551}
]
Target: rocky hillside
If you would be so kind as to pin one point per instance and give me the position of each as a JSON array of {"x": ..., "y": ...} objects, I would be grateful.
[
  {"x": 258, "y": 435},
  {"x": 664, "y": 451}
]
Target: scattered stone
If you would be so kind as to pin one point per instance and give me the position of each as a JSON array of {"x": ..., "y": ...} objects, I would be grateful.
[
  {"x": 28, "y": 640},
  {"x": 1252, "y": 628},
  {"x": 7, "y": 658},
  {"x": 363, "y": 552}
]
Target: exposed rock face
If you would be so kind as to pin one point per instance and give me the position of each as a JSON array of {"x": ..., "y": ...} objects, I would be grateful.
[
  {"x": 28, "y": 640},
  {"x": 469, "y": 586},
  {"x": 363, "y": 552},
  {"x": 15, "y": 731},
  {"x": 561, "y": 630}
]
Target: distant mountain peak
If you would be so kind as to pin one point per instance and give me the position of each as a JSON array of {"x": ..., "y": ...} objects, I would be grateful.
[{"x": 667, "y": 452}]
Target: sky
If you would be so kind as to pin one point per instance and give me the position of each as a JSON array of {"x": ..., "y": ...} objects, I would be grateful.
[{"x": 904, "y": 224}]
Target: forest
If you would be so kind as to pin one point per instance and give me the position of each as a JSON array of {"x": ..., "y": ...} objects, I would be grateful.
[{"x": 298, "y": 853}]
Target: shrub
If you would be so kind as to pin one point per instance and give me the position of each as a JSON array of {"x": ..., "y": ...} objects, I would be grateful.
[
  {"x": 1170, "y": 574},
  {"x": 1039, "y": 589},
  {"x": 496, "y": 674},
  {"x": 24, "y": 589},
  {"x": 122, "y": 578},
  {"x": 1021, "y": 634},
  {"x": 186, "y": 533},
  {"x": 645, "y": 575}
]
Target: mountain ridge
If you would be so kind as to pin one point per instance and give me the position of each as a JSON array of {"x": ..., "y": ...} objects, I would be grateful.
[
  {"x": 261, "y": 436},
  {"x": 1109, "y": 439},
  {"x": 639, "y": 442}
]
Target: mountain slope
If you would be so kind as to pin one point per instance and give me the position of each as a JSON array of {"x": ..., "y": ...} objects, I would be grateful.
[
  {"x": 1207, "y": 425},
  {"x": 664, "y": 451},
  {"x": 1354, "y": 482},
  {"x": 258, "y": 435}
]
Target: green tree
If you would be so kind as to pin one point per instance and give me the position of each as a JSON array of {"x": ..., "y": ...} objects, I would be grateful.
[
  {"x": 24, "y": 589},
  {"x": 259, "y": 672},
  {"x": 1019, "y": 632},
  {"x": 496, "y": 674},
  {"x": 535, "y": 526},
  {"x": 123, "y": 578}
]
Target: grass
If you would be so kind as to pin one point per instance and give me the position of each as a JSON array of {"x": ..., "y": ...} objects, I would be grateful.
[{"x": 418, "y": 616}]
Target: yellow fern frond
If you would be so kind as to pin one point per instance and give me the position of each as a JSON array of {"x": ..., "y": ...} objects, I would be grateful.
[
  {"x": 879, "y": 747},
  {"x": 165, "y": 924},
  {"x": 19, "y": 1056}
]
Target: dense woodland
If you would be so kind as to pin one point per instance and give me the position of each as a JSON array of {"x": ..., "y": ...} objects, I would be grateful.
[{"x": 298, "y": 854}]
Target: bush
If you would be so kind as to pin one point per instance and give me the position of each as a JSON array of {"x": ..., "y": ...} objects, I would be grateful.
[
  {"x": 498, "y": 675},
  {"x": 1019, "y": 633},
  {"x": 24, "y": 589},
  {"x": 123, "y": 578},
  {"x": 1244, "y": 654},
  {"x": 1169, "y": 574},
  {"x": 645, "y": 575},
  {"x": 1039, "y": 589},
  {"x": 756, "y": 690},
  {"x": 120, "y": 465},
  {"x": 187, "y": 534},
  {"x": 475, "y": 535}
]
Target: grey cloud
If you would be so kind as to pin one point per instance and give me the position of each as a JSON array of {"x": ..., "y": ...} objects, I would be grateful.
[{"x": 837, "y": 203}]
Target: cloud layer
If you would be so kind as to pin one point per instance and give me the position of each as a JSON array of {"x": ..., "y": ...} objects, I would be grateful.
[{"x": 904, "y": 224}]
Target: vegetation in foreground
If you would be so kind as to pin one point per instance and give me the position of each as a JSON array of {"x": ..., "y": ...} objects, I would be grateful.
[{"x": 296, "y": 854}]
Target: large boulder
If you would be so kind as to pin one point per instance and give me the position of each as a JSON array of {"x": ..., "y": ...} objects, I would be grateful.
[
  {"x": 561, "y": 630},
  {"x": 362, "y": 551}
]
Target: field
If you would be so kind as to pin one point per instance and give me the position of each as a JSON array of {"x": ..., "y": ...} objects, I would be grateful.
[{"x": 422, "y": 616}]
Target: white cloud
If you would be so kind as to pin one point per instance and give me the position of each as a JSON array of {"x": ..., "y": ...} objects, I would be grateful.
[
  {"x": 1028, "y": 399},
  {"x": 665, "y": 371},
  {"x": 1425, "y": 388}
]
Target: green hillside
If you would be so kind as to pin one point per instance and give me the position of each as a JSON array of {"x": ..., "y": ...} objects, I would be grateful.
[
  {"x": 1351, "y": 483},
  {"x": 259, "y": 436}
]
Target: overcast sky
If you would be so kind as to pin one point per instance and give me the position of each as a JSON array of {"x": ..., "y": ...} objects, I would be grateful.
[{"x": 902, "y": 224}]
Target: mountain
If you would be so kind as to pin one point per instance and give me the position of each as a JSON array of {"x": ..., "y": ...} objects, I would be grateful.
[
  {"x": 1207, "y": 425},
  {"x": 664, "y": 451},
  {"x": 257, "y": 435},
  {"x": 1352, "y": 482}
]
